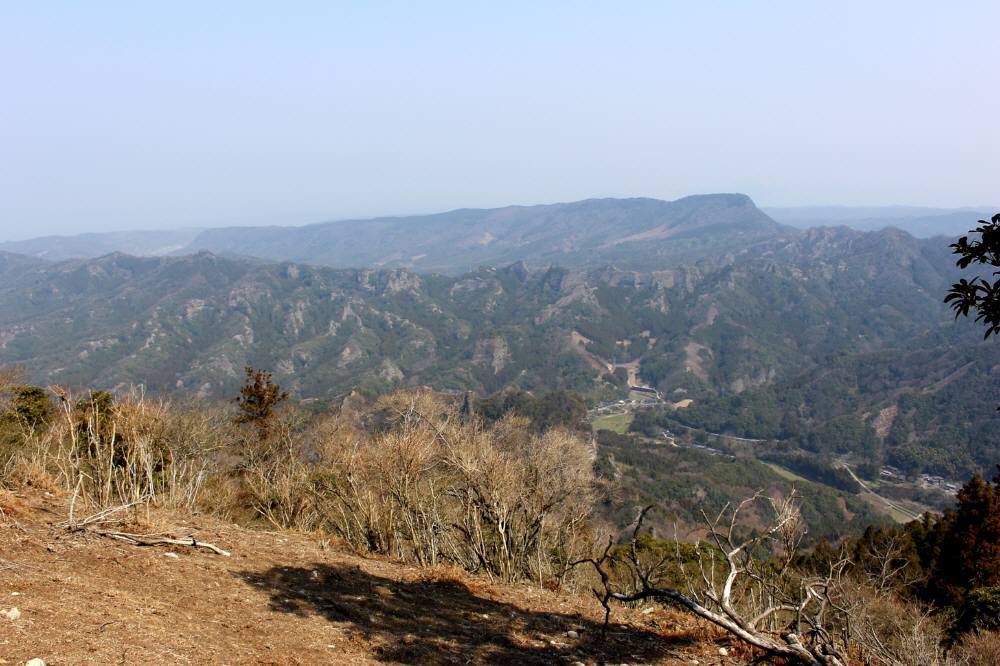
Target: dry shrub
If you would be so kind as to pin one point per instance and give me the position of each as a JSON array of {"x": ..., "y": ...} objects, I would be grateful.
[
  {"x": 522, "y": 505},
  {"x": 424, "y": 485},
  {"x": 10, "y": 432},
  {"x": 131, "y": 450},
  {"x": 280, "y": 473},
  {"x": 747, "y": 583},
  {"x": 24, "y": 457},
  {"x": 30, "y": 471},
  {"x": 888, "y": 630},
  {"x": 413, "y": 478},
  {"x": 977, "y": 649},
  {"x": 9, "y": 377},
  {"x": 225, "y": 496}
]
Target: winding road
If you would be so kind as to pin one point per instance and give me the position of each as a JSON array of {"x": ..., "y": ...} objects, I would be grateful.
[{"x": 868, "y": 489}]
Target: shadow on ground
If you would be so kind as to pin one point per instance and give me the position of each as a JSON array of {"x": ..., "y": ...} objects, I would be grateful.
[{"x": 443, "y": 622}]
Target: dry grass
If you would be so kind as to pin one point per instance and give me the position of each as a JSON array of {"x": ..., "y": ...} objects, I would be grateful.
[
  {"x": 119, "y": 452},
  {"x": 411, "y": 479},
  {"x": 283, "y": 598},
  {"x": 11, "y": 506},
  {"x": 978, "y": 649}
]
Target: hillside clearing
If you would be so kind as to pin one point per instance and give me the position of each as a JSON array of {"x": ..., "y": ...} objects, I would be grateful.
[
  {"x": 618, "y": 423},
  {"x": 788, "y": 474}
]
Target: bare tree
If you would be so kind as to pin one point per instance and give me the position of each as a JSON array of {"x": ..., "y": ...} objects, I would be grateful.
[
  {"x": 430, "y": 485},
  {"x": 742, "y": 584}
]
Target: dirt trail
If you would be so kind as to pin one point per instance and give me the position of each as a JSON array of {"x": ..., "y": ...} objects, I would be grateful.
[{"x": 288, "y": 598}]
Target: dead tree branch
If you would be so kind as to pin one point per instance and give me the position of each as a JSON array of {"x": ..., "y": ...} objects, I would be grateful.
[
  {"x": 155, "y": 540},
  {"x": 93, "y": 525},
  {"x": 800, "y": 636}
]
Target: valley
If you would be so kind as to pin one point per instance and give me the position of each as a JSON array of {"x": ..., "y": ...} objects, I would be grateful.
[
  {"x": 574, "y": 334},
  {"x": 809, "y": 336},
  {"x": 617, "y": 417},
  {"x": 819, "y": 366}
]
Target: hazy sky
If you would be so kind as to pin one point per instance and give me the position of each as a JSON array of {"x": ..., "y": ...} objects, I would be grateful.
[{"x": 119, "y": 115}]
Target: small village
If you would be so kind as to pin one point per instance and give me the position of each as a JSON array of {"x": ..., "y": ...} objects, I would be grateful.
[{"x": 926, "y": 481}]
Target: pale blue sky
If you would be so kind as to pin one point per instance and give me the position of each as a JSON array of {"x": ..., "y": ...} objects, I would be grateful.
[{"x": 121, "y": 115}]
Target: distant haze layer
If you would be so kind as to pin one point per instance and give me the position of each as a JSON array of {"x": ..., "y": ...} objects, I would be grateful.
[
  {"x": 120, "y": 116},
  {"x": 918, "y": 221}
]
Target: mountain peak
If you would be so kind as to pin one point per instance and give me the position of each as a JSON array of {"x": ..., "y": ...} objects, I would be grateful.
[{"x": 637, "y": 233}]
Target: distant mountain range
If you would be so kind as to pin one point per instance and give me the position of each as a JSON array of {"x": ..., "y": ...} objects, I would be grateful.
[
  {"x": 920, "y": 222},
  {"x": 88, "y": 246},
  {"x": 635, "y": 233},
  {"x": 638, "y": 234},
  {"x": 812, "y": 311}
]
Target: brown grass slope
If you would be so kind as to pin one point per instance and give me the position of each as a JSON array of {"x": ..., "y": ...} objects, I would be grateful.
[{"x": 290, "y": 598}]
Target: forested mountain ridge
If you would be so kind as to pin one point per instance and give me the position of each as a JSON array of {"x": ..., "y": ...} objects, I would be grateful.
[
  {"x": 815, "y": 312},
  {"x": 843, "y": 347},
  {"x": 792, "y": 302},
  {"x": 13, "y": 265},
  {"x": 193, "y": 322}
]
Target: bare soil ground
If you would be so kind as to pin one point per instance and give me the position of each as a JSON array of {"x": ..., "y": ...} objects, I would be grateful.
[{"x": 291, "y": 598}]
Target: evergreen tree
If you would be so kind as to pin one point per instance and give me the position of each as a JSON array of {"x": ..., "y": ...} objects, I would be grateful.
[
  {"x": 258, "y": 400},
  {"x": 29, "y": 405},
  {"x": 968, "y": 543}
]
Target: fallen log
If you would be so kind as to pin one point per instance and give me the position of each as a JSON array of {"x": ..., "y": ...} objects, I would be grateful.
[{"x": 155, "y": 540}]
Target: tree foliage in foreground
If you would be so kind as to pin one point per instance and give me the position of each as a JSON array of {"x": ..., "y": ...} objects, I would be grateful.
[{"x": 979, "y": 294}]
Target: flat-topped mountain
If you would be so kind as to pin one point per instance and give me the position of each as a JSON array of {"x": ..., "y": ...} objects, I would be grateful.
[
  {"x": 638, "y": 234},
  {"x": 634, "y": 233}
]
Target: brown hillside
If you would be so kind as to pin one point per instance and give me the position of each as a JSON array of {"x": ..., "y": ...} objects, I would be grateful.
[{"x": 289, "y": 598}]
